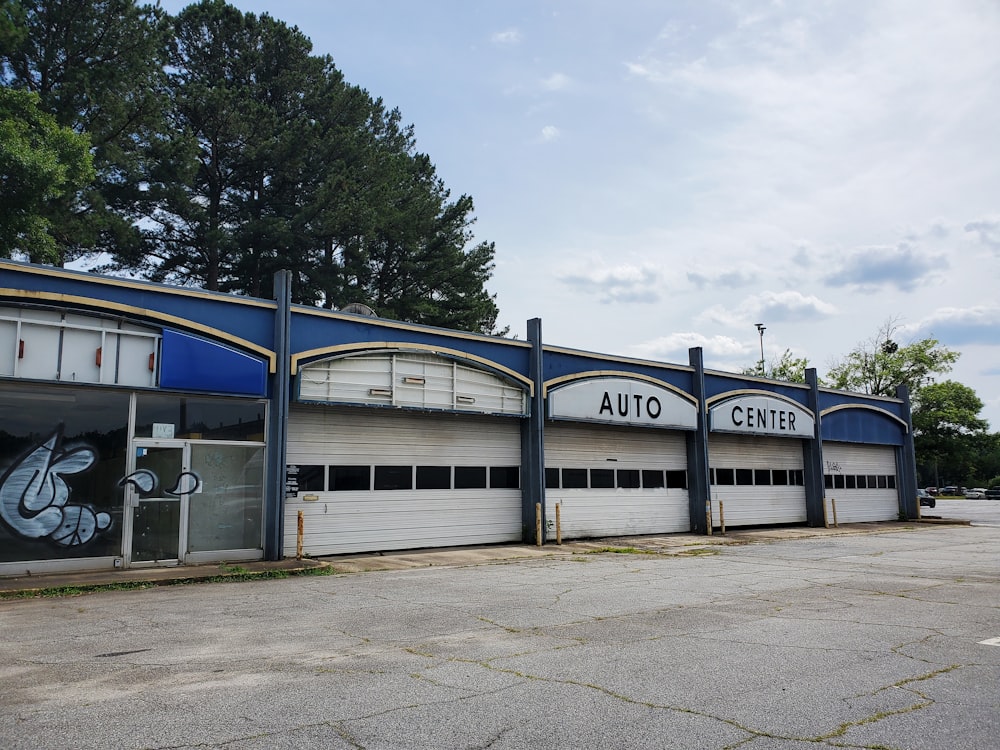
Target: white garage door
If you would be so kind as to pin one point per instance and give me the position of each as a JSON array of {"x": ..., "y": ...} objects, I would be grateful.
[
  {"x": 613, "y": 481},
  {"x": 376, "y": 479},
  {"x": 862, "y": 480},
  {"x": 759, "y": 480}
]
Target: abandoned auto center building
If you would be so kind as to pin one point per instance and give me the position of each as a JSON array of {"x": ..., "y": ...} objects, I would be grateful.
[{"x": 146, "y": 425}]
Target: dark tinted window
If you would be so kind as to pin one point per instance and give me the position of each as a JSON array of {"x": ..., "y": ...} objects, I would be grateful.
[
  {"x": 574, "y": 478},
  {"x": 393, "y": 477},
  {"x": 744, "y": 476},
  {"x": 505, "y": 477},
  {"x": 602, "y": 478},
  {"x": 779, "y": 477},
  {"x": 309, "y": 478},
  {"x": 725, "y": 476},
  {"x": 890, "y": 482},
  {"x": 883, "y": 482},
  {"x": 552, "y": 479},
  {"x": 346, "y": 478},
  {"x": 850, "y": 482},
  {"x": 628, "y": 478},
  {"x": 470, "y": 477},
  {"x": 433, "y": 477},
  {"x": 762, "y": 476},
  {"x": 652, "y": 479},
  {"x": 677, "y": 480},
  {"x": 828, "y": 481}
]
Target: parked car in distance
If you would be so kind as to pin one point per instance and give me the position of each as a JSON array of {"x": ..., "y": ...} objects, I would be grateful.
[
  {"x": 925, "y": 498},
  {"x": 976, "y": 493},
  {"x": 993, "y": 493},
  {"x": 950, "y": 490},
  {"x": 932, "y": 491}
]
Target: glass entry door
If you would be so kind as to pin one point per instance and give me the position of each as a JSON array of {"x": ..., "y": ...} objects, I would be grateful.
[{"x": 158, "y": 500}]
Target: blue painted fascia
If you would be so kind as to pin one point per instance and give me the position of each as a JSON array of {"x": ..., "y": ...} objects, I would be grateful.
[
  {"x": 718, "y": 384},
  {"x": 189, "y": 363},
  {"x": 564, "y": 363}
]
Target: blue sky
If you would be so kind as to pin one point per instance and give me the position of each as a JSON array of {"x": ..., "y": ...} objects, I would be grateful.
[{"x": 664, "y": 174}]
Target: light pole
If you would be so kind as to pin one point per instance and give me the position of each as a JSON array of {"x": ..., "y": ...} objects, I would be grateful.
[{"x": 760, "y": 329}]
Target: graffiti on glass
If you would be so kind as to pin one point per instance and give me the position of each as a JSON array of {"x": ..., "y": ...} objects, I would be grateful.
[{"x": 35, "y": 500}]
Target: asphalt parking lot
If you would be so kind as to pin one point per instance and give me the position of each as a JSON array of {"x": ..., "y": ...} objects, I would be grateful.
[{"x": 868, "y": 640}]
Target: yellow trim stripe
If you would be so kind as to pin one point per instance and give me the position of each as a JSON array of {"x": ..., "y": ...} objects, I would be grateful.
[
  {"x": 552, "y": 384},
  {"x": 71, "y": 299},
  {"x": 376, "y": 346}
]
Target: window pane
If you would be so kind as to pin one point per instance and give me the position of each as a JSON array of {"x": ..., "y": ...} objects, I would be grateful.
[
  {"x": 552, "y": 479},
  {"x": 227, "y": 511},
  {"x": 883, "y": 481},
  {"x": 91, "y": 423},
  {"x": 602, "y": 478},
  {"x": 798, "y": 477},
  {"x": 505, "y": 477},
  {"x": 310, "y": 478},
  {"x": 762, "y": 477},
  {"x": 872, "y": 481},
  {"x": 470, "y": 477},
  {"x": 779, "y": 477},
  {"x": 744, "y": 476},
  {"x": 628, "y": 478},
  {"x": 828, "y": 481},
  {"x": 677, "y": 479},
  {"x": 725, "y": 476},
  {"x": 652, "y": 479},
  {"x": 850, "y": 482},
  {"x": 393, "y": 477},
  {"x": 890, "y": 482},
  {"x": 348, "y": 478},
  {"x": 574, "y": 478},
  {"x": 433, "y": 477},
  {"x": 200, "y": 418}
]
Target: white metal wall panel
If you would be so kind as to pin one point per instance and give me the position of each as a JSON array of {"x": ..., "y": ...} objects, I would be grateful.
[
  {"x": 753, "y": 505},
  {"x": 359, "y": 521},
  {"x": 859, "y": 505},
  {"x": 615, "y": 511}
]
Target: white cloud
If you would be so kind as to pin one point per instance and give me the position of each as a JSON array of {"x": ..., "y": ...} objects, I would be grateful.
[
  {"x": 624, "y": 283},
  {"x": 507, "y": 38},
  {"x": 902, "y": 267},
  {"x": 550, "y": 133},
  {"x": 988, "y": 232},
  {"x": 768, "y": 306},
  {"x": 556, "y": 82},
  {"x": 958, "y": 326},
  {"x": 674, "y": 348}
]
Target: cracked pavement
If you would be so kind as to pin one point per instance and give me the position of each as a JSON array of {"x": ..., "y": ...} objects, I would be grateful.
[{"x": 861, "y": 641}]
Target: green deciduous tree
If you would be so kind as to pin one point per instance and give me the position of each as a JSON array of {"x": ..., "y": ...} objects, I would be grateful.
[
  {"x": 97, "y": 67},
  {"x": 42, "y": 162},
  {"x": 787, "y": 367},
  {"x": 947, "y": 429},
  {"x": 879, "y": 365}
]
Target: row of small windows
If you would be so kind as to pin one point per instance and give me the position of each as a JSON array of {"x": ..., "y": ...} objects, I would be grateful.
[
  {"x": 614, "y": 478},
  {"x": 758, "y": 477},
  {"x": 361, "y": 478},
  {"x": 859, "y": 481}
]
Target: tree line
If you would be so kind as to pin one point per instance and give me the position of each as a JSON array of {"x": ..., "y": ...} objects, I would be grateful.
[
  {"x": 952, "y": 441},
  {"x": 213, "y": 148}
]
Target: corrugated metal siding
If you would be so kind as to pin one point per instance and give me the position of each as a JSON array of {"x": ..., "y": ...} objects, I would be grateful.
[
  {"x": 360, "y": 521},
  {"x": 752, "y": 505},
  {"x": 615, "y": 511},
  {"x": 859, "y": 505}
]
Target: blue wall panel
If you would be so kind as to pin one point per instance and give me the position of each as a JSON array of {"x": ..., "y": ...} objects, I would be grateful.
[
  {"x": 192, "y": 364},
  {"x": 862, "y": 426},
  {"x": 559, "y": 363}
]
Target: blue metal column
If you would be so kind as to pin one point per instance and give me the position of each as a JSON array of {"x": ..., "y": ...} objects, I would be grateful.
[
  {"x": 699, "y": 485},
  {"x": 277, "y": 433},
  {"x": 812, "y": 458},
  {"x": 906, "y": 461},
  {"x": 533, "y": 441}
]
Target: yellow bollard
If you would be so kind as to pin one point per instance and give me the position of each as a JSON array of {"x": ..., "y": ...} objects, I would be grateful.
[
  {"x": 722, "y": 519},
  {"x": 708, "y": 516},
  {"x": 826, "y": 520},
  {"x": 538, "y": 524},
  {"x": 833, "y": 505},
  {"x": 559, "y": 523}
]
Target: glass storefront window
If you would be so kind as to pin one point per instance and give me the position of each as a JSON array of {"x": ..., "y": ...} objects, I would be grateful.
[
  {"x": 225, "y": 512},
  {"x": 62, "y": 456},
  {"x": 192, "y": 418}
]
